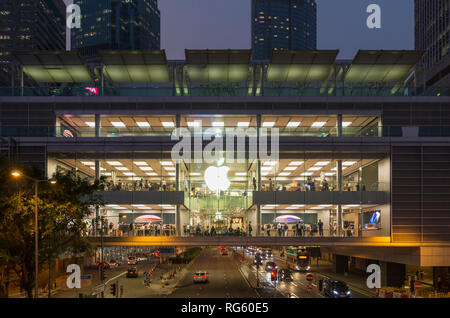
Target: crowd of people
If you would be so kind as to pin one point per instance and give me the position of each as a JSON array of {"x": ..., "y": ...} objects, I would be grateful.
[
  {"x": 308, "y": 185},
  {"x": 298, "y": 229},
  {"x": 139, "y": 185}
]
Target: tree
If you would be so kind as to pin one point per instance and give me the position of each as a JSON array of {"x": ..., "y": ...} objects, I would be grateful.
[{"x": 62, "y": 210}]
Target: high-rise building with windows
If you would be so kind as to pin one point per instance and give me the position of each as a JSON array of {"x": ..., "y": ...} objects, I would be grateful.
[
  {"x": 432, "y": 35},
  {"x": 29, "y": 25},
  {"x": 118, "y": 24},
  {"x": 283, "y": 25}
]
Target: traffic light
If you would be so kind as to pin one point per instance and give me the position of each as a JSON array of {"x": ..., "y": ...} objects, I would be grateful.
[
  {"x": 113, "y": 289},
  {"x": 102, "y": 273},
  {"x": 273, "y": 275}
]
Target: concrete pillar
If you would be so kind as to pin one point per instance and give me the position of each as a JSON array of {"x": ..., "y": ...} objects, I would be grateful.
[
  {"x": 339, "y": 125},
  {"x": 392, "y": 274},
  {"x": 340, "y": 264},
  {"x": 97, "y": 125},
  {"x": 339, "y": 187}
]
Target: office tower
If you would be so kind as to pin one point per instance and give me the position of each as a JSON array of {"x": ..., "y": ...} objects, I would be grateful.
[
  {"x": 30, "y": 25},
  {"x": 118, "y": 25},
  {"x": 432, "y": 30},
  {"x": 283, "y": 25}
]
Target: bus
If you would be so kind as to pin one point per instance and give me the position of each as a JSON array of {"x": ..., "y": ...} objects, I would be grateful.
[{"x": 298, "y": 258}]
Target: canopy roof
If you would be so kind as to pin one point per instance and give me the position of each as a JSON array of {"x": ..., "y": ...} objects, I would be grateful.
[
  {"x": 218, "y": 65},
  {"x": 382, "y": 66},
  {"x": 301, "y": 66},
  {"x": 135, "y": 66},
  {"x": 54, "y": 67}
]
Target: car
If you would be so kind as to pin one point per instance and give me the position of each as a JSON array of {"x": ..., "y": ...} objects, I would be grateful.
[
  {"x": 263, "y": 255},
  {"x": 335, "y": 289},
  {"x": 224, "y": 252},
  {"x": 200, "y": 277},
  {"x": 257, "y": 260},
  {"x": 142, "y": 259},
  {"x": 132, "y": 260},
  {"x": 113, "y": 263},
  {"x": 105, "y": 265},
  {"x": 285, "y": 275},
  {"x": 270, "y": 266},
  {"x": 269, "y": 254},
  {"x": 132, "y": 272}
]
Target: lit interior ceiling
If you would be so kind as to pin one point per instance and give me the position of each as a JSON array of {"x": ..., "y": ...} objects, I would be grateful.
[
  {"x": 54, "y": 67},
  {"x": 382, "y": 66},
  {"x": 135, "y": 66},
  {"x": 311, "y": 208},
  {"x": 149, "y": 122},
  {"x": 218, "y": 65},
  {"x": 301, "y": 66},
  {"x": 154, "y": 169}
]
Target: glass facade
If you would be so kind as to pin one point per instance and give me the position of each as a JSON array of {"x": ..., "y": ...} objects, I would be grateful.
[
  {"x": 313, "y": 193},
  {"x": 113, "y": 24},
  {"x": 283, "y": 25}
]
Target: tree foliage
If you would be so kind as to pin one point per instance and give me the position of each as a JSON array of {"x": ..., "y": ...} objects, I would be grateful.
[{"x": 62, "y": 211}]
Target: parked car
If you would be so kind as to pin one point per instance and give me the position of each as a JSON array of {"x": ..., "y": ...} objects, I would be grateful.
[
  {"x": 200, "y": 277},
  {"x": 335, "y": 289},
  {"x": 132, "y": 272}
]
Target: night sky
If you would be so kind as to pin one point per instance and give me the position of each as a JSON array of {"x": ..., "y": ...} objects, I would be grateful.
[{"x": 223, "y": 24}]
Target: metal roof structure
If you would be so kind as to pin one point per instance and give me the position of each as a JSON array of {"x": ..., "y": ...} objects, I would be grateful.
[
  {"x": 218, "y": 65},
  {"x": 382, "y": 66},
  {"x": 135, "y": 66},
  {"x": 301, "y": 66},
  {"x": 54, "y": 66}
]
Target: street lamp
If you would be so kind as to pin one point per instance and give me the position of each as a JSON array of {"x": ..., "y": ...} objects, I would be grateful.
[{"x": 18, "y": 174}]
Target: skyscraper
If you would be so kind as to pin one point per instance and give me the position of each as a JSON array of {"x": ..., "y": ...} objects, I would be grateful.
[
  {"x": 432, "y": 35},
  {"x": 283, "y": 25},
  {"x": 29, "y": 25},
  {"x": 118, "y": 24}
]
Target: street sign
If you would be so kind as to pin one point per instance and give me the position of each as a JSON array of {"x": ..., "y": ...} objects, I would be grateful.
[
  {"x": 418, "y": 285},
  {"x": 309, "y": 277},
  {"x": 309, "y": 288}
]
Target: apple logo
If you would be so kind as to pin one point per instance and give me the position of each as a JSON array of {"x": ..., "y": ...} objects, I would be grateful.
[{"x": 216, "y": 178}]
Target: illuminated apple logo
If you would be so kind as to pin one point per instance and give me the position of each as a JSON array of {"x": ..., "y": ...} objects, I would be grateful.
[{"x": 216, "y": 178}]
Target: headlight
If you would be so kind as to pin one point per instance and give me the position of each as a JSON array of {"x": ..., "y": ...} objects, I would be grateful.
[
  {"x": 307, "y": 268},
  {"x": 335, "y": 292},
  {"x": 348, "y": 293}
]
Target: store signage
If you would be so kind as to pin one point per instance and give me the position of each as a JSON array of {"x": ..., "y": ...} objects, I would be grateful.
[{"x": 216, "y": 178}]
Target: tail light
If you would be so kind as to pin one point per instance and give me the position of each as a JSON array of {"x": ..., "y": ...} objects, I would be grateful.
[
  {"x": 204, "y": 276},
  {"x": 195, "y": 276}
]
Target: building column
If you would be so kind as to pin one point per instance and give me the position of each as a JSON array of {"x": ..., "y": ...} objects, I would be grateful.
[
  {"x": 339, "y": 186},
  {"x": 177, "y": 186},
  {"x": 340, "y": 264},
  {"x": 97, "y": 125},
  {"x": 339, "y": 125},
  {"x": 392, "y": 274},
  {"x": 97, "y": 208}
]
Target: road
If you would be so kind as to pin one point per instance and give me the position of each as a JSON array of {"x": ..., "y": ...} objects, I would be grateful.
[
  {"x": 296, "y": 288},
  {"x": 225, "y": 279}
]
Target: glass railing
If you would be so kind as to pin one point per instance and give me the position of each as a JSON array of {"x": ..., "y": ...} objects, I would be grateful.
[
  {"x": 213, "y": 202},
  {"x": 138, "y": 185},
  {"x": 223, "y": 91},
  {"x": 112, "y": 132},
  {"x": 276, "y": 185}
]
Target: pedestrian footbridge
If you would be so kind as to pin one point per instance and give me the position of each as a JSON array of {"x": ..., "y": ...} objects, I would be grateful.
[{"x": 238, "y": 241}]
